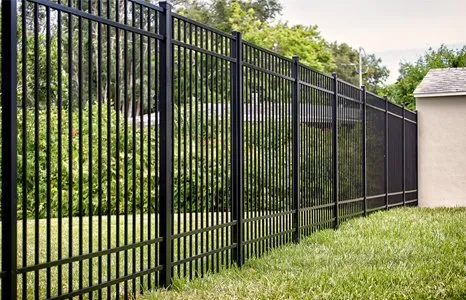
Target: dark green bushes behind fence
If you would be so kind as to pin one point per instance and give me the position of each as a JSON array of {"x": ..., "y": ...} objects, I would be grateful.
[{"x": 138, "y": 166}]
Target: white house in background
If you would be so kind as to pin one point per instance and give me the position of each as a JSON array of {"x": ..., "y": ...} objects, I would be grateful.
[{"x": 441, "y": 105}]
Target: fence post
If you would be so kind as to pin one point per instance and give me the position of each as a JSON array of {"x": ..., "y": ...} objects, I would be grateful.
[
  {"x": 335, "y": 147},
  {"x": 296, "y": 141},
  {"x": 237, "y": 147},
  {"x": 364, "y": 141},
  {"x": 403, "y": 134},
  {"x": 9, "y": 155},
  {"x": 166, "y": 144},
  {"x": 386, "y": 153}
]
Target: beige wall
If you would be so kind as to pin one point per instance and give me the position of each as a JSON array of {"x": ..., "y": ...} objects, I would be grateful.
[{"x": 442, "y": 151}]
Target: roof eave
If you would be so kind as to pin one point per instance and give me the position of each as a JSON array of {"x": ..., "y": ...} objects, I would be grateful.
[{"x": 432, "y": 95}]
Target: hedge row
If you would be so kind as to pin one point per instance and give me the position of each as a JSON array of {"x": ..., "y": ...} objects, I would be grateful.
[{"x": 97, "y": 158}]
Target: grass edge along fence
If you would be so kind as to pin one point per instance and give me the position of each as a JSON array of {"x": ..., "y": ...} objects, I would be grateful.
[{"x": 139, "y": 145}]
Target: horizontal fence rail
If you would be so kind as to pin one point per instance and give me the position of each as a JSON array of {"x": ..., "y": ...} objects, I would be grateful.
[{"x": 139, "y": 146}]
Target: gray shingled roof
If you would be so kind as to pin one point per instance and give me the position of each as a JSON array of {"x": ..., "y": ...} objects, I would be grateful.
[{"x": 442, "y": 82}]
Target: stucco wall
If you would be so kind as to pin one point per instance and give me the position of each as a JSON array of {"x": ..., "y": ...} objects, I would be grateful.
[{"x": 442, "y": 151}]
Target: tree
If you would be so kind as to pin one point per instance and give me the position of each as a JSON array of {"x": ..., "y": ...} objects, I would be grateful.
[
  {"x": 411, "y": 74},
  {"x": 347, "y": 66},
  {"x": 375, "y": 73},
  {"x": 217, "y": 13},
  {"x": 97, "y": 77},
  {"x": 266, "y": 10},
  {"x": 303, "y": 41}
]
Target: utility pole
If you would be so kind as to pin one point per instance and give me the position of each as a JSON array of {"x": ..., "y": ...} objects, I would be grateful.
[
  {"x": 358, "y": 66},
  {"x": 361, "y": 51}
]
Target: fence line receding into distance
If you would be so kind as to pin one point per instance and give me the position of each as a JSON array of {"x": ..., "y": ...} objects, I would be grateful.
[{"x": 139, "y": 146}]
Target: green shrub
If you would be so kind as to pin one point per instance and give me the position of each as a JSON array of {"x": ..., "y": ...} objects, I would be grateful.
[
  {"x": 80, "y": 182},
  {"x": 205, "y": 180}
]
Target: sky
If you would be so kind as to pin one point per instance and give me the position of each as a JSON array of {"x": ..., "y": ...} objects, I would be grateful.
[{"x": 394, "y": 30}]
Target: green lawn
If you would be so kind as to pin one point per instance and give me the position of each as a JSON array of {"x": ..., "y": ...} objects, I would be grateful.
[
  {"x": 408, "y": 253},
  {"x": 90, "y": 267}
]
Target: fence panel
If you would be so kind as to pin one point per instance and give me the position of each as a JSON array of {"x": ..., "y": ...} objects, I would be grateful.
[
  {"x": 149, "y": 147},
  {"x": 375, "y": 140},
  {"x": 267, "y": 131},
  {"x": 88, "y": 140},
  {"x": 395, "y": 157},
  {"x": 202, "y": 113},
  {"x": 316, "y": 184},
  {"x": 350, "y": 143},
  {"x": 411, "y": 181}
]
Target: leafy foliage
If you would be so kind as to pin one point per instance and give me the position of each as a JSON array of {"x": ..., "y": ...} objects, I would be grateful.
[
  {"x": 347, "y": 66},
  {"x": 78, "y": 161},
  {"x": 257, "y": 20},
  {"x": 65, "y": 133},
  {"x": 412, "y": 74},
  {"x": 84, "y": 182},
  {"x": 218, "y": 13},
  {"x": 254, "y": 20},
  {"x": 36, "y": 87},
  {"x": 303, "y": 41}
]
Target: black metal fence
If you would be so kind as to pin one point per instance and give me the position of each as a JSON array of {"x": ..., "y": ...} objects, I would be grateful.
[{"x": 139, "y": 146}]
